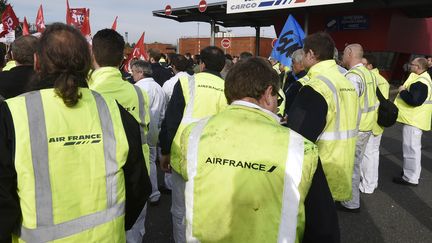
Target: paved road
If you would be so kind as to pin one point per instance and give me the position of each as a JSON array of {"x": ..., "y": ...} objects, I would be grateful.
[{"x": 393, "y": 214}]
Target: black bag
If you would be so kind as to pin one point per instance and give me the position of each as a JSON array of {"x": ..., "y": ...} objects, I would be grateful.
[{"x": 387, "y": 111}]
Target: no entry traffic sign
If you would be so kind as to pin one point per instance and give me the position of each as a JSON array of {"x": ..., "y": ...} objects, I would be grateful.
[
  {"x": 225, "y": 43},
  {"x": 168, "y": 10},
  {"x": 202, "y": 6}
]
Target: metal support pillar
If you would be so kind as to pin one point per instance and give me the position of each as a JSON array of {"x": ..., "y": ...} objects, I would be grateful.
[
  {"x": 257, "y": 40},
  {"x": 306, "y": 24},
  {"x": 212, "y": 32}
]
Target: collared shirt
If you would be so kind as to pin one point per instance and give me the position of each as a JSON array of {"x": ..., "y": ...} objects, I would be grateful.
[
  {"x": 157, "y": 104},
  {"x": 356, "y": 80},
  {"x": 342, "y": 70},
  {"x": 168, "y": 86},
  {"x": 252, "y": 105}
]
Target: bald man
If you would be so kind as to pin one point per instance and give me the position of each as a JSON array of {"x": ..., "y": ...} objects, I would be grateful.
[
  {"x": 415, "y": 111},
  {"x": 364, "y": 83}
]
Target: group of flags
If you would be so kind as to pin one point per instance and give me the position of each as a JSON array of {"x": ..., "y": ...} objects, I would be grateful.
[
  {"x": 40, "y": 22},
  {"x": 290, "y": 38},
  {"x": 78, "y": 17}
]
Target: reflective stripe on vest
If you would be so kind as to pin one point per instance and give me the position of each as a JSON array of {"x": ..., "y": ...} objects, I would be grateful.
[
  {"x": 337, "y": 134},
  {"x": 290, "y": 203},
  {"x": 141, "y": 114},
  {"x": 291, "y": 195},
  {"x": 192, "y": 162},
  {"x": 46, "y": 229},
  {"x": 187, "y": 116},
  {"x": 366, "y": 108}
]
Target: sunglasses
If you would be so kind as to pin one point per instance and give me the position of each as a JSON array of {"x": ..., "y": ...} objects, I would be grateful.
[{"x": 280, "y": 99}]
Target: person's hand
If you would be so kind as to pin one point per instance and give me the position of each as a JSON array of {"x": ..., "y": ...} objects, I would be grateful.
[
  {"x": 164, "y": 163},
  {"x": 401, "y": 88}
]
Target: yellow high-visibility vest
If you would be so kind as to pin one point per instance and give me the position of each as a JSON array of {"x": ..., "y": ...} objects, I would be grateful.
[
  {"x": 336, "y": 144},
  {"x": 259, "y": 172},
  {"x": 368, "y": 100},
  {"x": 108, "y": 81},
  {"x": 204, "y": 96},
  {"x": 419, "y": 116},
  {"x": 69, "y": 167},
  {"x": 384, "y": 88}
]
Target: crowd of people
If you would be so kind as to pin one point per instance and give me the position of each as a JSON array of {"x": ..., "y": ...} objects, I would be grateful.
[{"x": 252, "y": 151}]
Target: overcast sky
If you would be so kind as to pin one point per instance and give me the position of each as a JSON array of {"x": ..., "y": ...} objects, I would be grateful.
[{"x": 135, "y": 16}]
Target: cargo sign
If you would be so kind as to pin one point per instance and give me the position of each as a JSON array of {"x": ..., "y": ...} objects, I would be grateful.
[
  {"x": 241, "y": 6},
  {"x": 350, "y": 22}
]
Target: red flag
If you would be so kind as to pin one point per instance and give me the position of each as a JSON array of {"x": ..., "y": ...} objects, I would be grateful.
[
  {"x": 85, "y": 28},
  {"x": 68, "y": 14},
  {"x": 9, "y": 20},
  {"x": 114, "y": 25},
  {"x": 139, "y": 52},
  {"x": 40, "y": 22},
  {"x": 79, "y": 18},
  {"x": 25, "y": 28}
]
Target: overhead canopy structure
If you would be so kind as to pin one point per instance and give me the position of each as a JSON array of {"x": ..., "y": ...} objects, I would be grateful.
[{"x": 217, "y": 12}]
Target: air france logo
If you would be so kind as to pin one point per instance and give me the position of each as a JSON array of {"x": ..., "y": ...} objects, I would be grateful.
[
  {"x": 77, "y": 140},
  {"x": 278, "y": 2},
  {"x": 251, "y": 4}
]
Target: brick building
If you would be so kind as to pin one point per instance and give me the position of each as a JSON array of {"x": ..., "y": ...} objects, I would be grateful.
[
  {"x": 238, "y": 45},
  {"x": 163, "y": 48}
]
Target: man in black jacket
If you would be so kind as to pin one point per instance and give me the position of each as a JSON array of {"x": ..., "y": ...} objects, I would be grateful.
[
  {"x": 15, "y": 81},
  {"x": 160, "y": 74}
]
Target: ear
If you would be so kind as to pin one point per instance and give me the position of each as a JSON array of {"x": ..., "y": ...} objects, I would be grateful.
[
  {"x": 36, "y": 65},
  {"x": 268, "y": 96},
  {"x": 95, "y": 64},
  {"x": 202, "y": 66}
]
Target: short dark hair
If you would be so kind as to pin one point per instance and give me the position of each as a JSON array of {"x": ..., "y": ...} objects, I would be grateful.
[
  {"x": 321, "y": 44},
  {"x": 179, "y": 62},
  {"x": 107, "y": 47},
  {"x": 245, "y": 55},
  {"x": 250, "y": 78},
  {"x": 23, "y": 49},
  {"x": 213, "y": 58},
  {"x": 155, "y": 54},
  {"x": 370, "y": 59}
]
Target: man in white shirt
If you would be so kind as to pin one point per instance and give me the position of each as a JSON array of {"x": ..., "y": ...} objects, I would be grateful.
[
  {"x": 179, "y": 65},
  {"x": 363, "y": 82},
  {"x": 142, "y": 75}
]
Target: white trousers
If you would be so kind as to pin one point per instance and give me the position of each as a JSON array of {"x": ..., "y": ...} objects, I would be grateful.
[
  {"x": 136, "y": 233},
  {"x": 168, "y": 181},
  {"x": 155, "y": 195},
  {"x": 369, "y": 165},
  {"x": 411, "y": 153},
  {"x": 178, "y": 209},
  {"x": 362, "y": 140}
]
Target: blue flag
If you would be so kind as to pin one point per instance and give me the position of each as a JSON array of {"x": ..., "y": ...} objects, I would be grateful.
[{"x": 290, "y": 39}]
